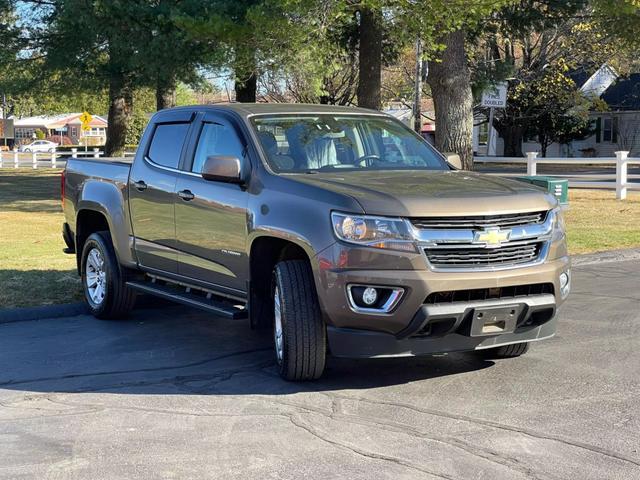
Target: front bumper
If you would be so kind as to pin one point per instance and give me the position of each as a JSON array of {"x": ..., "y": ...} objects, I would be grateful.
[
  {"x": 424, "y": 334},
  {"x": 398, "y": 333}
]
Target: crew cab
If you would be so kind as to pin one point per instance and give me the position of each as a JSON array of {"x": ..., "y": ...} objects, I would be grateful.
[{"x": 338, "y": 228}]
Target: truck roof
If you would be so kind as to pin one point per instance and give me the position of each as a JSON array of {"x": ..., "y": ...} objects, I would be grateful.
[{"x": 248, "y": 109}]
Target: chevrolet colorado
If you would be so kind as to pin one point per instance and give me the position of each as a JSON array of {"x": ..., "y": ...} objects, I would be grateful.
[{"x": 338, "y": 228}]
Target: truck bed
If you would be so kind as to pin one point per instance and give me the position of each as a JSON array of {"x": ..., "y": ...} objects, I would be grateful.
[{"x": 113, "y": 169}]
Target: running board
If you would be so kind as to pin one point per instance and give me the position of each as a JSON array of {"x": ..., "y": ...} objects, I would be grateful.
[{"x": 204, "y": 301}]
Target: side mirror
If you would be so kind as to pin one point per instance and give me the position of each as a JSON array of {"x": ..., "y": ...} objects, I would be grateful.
[
  {"x": 222, "y": 169},
  {"x": 453, "y": 159}
]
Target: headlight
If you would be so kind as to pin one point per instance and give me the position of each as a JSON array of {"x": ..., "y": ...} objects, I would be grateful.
[
  {"x": 377, "y": 232},
  {"x": 558, "y": 224}
]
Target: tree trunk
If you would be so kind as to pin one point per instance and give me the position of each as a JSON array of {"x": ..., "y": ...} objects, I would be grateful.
[
  {"x": 246, "y": 88},
  {"x": 120, "y": 109},
  {"x": 370, "y": 59},
  {"x": 165, "y": 94},
  {"x": 450, "y": 82}
]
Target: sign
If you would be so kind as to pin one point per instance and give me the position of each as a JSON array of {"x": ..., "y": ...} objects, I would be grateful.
[
  {"x": 6, "y": 129},
  {"x": 495, "y": 96},
  {"x": 85, "y": 118}
]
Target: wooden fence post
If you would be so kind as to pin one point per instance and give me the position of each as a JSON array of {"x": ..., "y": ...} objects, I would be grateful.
[
  {"x": 621, "y": 174},
  {"x": 96, "y": 153},
  {"x": 15, "y": 159},
  {"x": 34, "y": 160},
  {"x": 53, "y": 159},
  {"x": 532, "y": 168},
  {"x": 74, "y": 153}
]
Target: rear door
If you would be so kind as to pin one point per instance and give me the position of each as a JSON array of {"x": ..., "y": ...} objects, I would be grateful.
[
  {"x": 152, "y": 185},
  {"x": 211, "y": 216}
]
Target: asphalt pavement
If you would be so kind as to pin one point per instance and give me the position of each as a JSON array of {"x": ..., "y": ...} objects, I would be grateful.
[{"x": 173, "y": 393}]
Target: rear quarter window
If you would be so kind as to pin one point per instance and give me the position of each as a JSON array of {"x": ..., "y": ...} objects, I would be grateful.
[{"x": 166, "y": 144}]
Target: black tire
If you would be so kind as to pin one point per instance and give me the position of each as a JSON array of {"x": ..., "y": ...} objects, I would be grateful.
[
  {"x": 506, "y": 351},
  {"x": 118, "y": 299},
  {"x": 303, "y": 330}
]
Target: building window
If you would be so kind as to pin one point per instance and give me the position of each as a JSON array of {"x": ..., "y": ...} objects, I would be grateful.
[
  {"x": 609, "y": 129},
  {"x": 483, "y": 133}
]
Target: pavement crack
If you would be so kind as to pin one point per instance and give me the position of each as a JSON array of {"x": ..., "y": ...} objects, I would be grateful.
[
  {"x": 298, "y": 422},
  {"x": 500, "y": 426}
]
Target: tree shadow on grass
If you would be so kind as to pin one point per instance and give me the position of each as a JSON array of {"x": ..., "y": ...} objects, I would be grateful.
[
  {"x": 28, "y": 288},
  {"x": 37, "y": 192}
]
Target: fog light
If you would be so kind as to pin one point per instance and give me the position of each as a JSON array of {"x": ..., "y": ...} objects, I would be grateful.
[
  {"x": 369, "y": 296},
  {"x": 565, "y": 283}
]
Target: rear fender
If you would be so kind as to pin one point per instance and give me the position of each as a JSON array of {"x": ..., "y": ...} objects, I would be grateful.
[{"x": 108, "y": 200}]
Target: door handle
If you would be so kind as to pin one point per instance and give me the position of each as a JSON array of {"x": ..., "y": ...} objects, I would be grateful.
[
  {"x": 140, "y": 185},
  {"x": 186, "y": 195}
]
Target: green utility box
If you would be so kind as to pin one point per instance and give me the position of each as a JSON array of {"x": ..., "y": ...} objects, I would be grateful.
[{"x": 556, "y": 186}]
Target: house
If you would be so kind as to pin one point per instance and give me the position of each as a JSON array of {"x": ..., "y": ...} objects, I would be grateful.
[
  {"x": 618, "y": 128},
  {"x": 66, "y": 125}
]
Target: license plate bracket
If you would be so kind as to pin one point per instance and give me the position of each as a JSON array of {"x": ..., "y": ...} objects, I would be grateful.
[{"x": 495, "y": 320}]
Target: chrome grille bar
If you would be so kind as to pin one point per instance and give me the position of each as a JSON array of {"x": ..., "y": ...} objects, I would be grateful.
[{"x": 509, "y": 220}]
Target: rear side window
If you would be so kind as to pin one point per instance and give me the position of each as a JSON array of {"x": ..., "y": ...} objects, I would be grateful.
[{"x": 166, "y": 144}]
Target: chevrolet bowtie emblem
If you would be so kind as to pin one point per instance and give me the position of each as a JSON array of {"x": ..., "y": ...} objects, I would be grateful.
[{"x": 492, "y": 237}]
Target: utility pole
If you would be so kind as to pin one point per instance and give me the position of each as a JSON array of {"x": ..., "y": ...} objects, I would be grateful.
[
  {"x": 4, "y": 118},
  {"x": 417, "y": 98}
]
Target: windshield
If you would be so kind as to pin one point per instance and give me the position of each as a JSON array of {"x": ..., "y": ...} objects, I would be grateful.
[{"x": 311, "y": 143}]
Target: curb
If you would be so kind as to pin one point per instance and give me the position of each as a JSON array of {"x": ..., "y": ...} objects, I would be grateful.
[
  {"x": 606, "y": 257},
  {"x": 12, "y": 315}
]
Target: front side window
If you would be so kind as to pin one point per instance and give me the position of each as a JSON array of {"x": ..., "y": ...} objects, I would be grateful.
[
  {"x": 303, "y": 143},
  {"x": 167, "y": 142},
  {"x": 216, "y": 140}
]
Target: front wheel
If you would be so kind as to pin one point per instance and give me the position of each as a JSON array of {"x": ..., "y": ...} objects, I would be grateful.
[
  {"x": 298, "y": 329},
  {"x": 105, "y": 289}
]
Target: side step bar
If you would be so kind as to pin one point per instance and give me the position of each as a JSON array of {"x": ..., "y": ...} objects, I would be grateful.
[{"x": 219, "y": 306}]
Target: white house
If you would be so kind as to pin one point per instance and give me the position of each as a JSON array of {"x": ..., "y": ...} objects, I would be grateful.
[
  {"x": 66, "y": 125},
  {"x": 616, "y": 129}
]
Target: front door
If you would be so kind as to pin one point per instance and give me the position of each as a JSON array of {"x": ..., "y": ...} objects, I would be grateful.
[
  {"x": 211, "y": 216},
  {"x": 152, "y": 185}
]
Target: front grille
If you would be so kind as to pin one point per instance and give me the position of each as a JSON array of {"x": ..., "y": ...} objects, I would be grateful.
[
  {"x": 508, "y": 220},
  {"x": 465, "y": 257},
  {"x": 496, "y": 293}
]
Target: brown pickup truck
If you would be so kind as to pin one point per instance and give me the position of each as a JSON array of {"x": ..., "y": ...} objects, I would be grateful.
[{"x": 338, "y": 228}]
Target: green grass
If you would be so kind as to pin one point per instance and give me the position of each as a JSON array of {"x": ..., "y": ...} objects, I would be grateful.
[
  {"x": 596, "y": 221},
  {"x": 34, "y": 271}
]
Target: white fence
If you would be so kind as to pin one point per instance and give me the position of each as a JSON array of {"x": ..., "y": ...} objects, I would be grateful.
[
  {"x": 37, "y": 159},
  {"x": 621, "y": 162}
]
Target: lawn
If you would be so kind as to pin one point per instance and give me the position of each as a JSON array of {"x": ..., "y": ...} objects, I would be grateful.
[{"x": 34, "y": 271}]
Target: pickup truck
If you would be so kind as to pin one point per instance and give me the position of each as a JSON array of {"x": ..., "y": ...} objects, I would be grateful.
[{"x": 338, "y": 228}]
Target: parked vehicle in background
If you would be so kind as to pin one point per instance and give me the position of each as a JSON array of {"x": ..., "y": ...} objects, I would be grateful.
[
  {"x": 39, "y": 146},
  {"x": 338, "y": 228}
]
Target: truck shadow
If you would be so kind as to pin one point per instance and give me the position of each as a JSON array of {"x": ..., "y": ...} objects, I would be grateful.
[{"x": 175, "y": 350}]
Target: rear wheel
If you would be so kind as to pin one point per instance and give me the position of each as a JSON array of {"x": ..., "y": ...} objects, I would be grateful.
[
  {"x": 105, "y": 289},
  {"x": 298, "y": 329},
  {"x": 506, "y": 351}
]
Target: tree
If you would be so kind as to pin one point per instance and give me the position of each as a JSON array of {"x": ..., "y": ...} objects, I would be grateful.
[
  {"x": 443, "y": 25},
  {"x": 370, "y": 33},
  {"x": 450, "y": 82}
]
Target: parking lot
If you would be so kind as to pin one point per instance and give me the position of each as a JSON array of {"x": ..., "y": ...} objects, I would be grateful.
[{"x": 174, "y": 393}]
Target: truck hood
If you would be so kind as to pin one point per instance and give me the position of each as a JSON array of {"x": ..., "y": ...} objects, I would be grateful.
[{"x": 418, "y": 193}]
